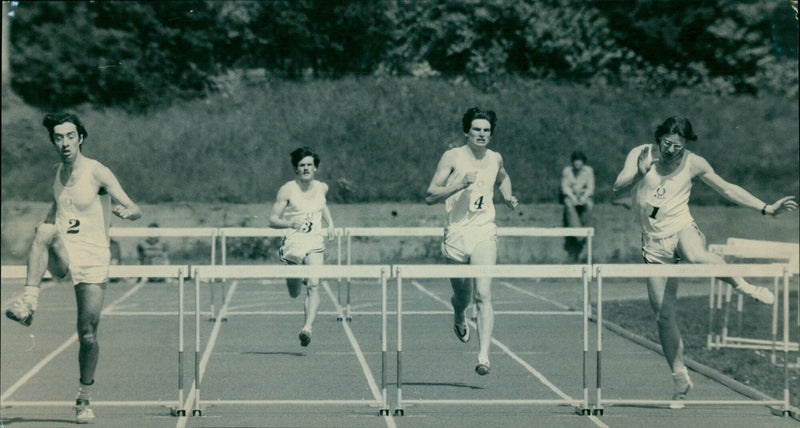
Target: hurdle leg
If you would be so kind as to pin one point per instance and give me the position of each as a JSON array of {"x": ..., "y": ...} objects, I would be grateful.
[
  {"x": 776, "y": 292},
  {"x": 339, "y": 316},
  {"x": 196, "y": 409},
  {"x": 179, "y": 411},
  {"x": 585, "y": 410},
  {"x": 710, "y": 316},
  {"x": 399, "y": 411},
  {"x": 347, "y": 310},
  {"x": 786, "y": 404},
  {"x": 598, "y": 407},
  {"x": 384, "y": 322}
]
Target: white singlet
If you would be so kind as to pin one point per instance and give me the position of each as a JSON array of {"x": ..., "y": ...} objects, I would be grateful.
[
  {"x": 307, "y": 207},
  {"x": 83, "y": 217},
  {"x": 470, "y": 211},
  {"x": 661, "y": 203}
]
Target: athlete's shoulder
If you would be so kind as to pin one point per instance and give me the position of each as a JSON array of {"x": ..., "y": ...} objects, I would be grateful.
[{"x": 287, "y": 188}]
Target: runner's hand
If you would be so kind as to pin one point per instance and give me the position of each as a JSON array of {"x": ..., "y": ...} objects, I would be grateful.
[
  {"x": 469, "y": 178},
  {"x": 512, "y": 202},
  {"x": 645, "y": 161},
  {"x": 783, "y": 205}
]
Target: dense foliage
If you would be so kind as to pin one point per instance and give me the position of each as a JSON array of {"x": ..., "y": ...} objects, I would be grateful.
[{"x": 139, "y": 54}]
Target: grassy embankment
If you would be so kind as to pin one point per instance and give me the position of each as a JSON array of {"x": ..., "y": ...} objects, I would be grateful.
[{"x": 380, "y": 139}]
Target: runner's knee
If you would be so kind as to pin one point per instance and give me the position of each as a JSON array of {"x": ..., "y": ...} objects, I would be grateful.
[
  {"x": 45, "y": 234},
  {"x": 88, "y": 337}
]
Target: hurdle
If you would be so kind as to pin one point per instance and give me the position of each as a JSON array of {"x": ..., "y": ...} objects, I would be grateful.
[
  {"x": 376, "y": 272},
  {"x": 266, "y": 232},
  {"x": 742, "y": 250},
  {"x": 602, "y": 271},
  {"x": 132, "y": 271},
  {"x": 496, "y": 271},
  {"x": 172, "y": 232},
  {"x": 368, "y": 232}
]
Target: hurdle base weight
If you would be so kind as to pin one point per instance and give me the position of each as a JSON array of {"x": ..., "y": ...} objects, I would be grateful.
[
  {"x": 583, "y": 411},
  {"x": 174, "y": 411},
  {"x": 399, "y": 412},
  {"x": 384, "y": 412},
  {"x": 597, "y": 411},
  {"x": 197, "y": 412}
]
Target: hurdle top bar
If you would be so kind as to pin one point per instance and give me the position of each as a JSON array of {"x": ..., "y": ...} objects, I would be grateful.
[
  {"x": 115, "y": 271},
  {"x": 780, "y": 252},
  {"x": 493, "y": 271},
  {"x": 690, "y": 270},
  {"x": 252, "y": 231},
  {"x": 439, "y": 231},
  {"x": 179, "y": 232},
  {"x": 290, "y": 271}
]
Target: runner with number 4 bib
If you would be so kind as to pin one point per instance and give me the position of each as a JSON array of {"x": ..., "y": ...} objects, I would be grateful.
[
  {"x": 465, "y": 180},
  {"x": 661, "y": 175},
  {"x": 301, "y": 207}
]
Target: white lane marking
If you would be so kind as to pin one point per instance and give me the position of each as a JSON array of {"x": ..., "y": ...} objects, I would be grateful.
[
  {"x": 532, "y": 294},
  {"x": 72, "y": 339},
  {"x": 376, "y": 392},
  {"x": 510, "y": 353},
  {"x": 206, "y": 356}
]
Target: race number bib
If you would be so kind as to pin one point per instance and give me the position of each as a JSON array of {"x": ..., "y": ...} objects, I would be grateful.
[
  {"x": 478, "y": 202},
  {"x": 308, "y": 224}
]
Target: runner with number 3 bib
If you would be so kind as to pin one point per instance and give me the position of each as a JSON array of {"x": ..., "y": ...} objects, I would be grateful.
[
  {"x": 465, "y": 180},
  {"x": 301, "y": 206}
]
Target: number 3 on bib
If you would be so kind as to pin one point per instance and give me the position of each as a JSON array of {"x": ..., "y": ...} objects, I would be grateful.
[{"x": 477, "y": 204}]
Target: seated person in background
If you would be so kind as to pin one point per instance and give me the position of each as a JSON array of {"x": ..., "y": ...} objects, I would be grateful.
[
  {"x": 577, "y": 190},
  {"x": 152, "y": 252}
]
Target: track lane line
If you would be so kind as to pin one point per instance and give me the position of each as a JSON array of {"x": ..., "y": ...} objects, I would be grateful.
[
  {"x": 182, "y": 420},
  {"x": 511, "y": 354},
  {"x": 373, "y": 385},
  {"x": 72, "y": 339}
]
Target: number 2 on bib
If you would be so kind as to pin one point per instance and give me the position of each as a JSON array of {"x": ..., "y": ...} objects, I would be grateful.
[{"x": 74, "y": 225}]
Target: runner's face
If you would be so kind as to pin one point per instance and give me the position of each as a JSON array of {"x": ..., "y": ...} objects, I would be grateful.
[
  {"x": 671, "y": 147},
  {"x": 306, "y": 169},
  {"x": 480, "y": 133},
  {"x": 67, "y": 141}
]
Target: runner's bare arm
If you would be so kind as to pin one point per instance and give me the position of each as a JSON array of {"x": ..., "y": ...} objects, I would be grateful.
[
  {"x": 127, "y": 209},
  {"x": 504, "y": 185},
  {"x": 281, "y": 201},
  {"x": 737, "y": 194},
  {"x": 438, "y": 190},
  {"x": 637, "y": 164},
  {"x": 328, "y": 218}
]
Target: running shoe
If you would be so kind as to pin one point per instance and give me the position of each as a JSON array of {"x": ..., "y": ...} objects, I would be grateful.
[
  {"x": 761, "y": 294},
  {"x": 683, "y": 383},
  {"x": 462, "y": 333},
  {"x": 305, "y": 337},
  {"x": 483, "y": 368},
  {"x": 21, "y": 311},
  {"x": 83, "y": 413}
]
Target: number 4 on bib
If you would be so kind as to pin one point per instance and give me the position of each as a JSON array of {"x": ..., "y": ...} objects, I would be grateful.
[{"x": 477, "y": 204}]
